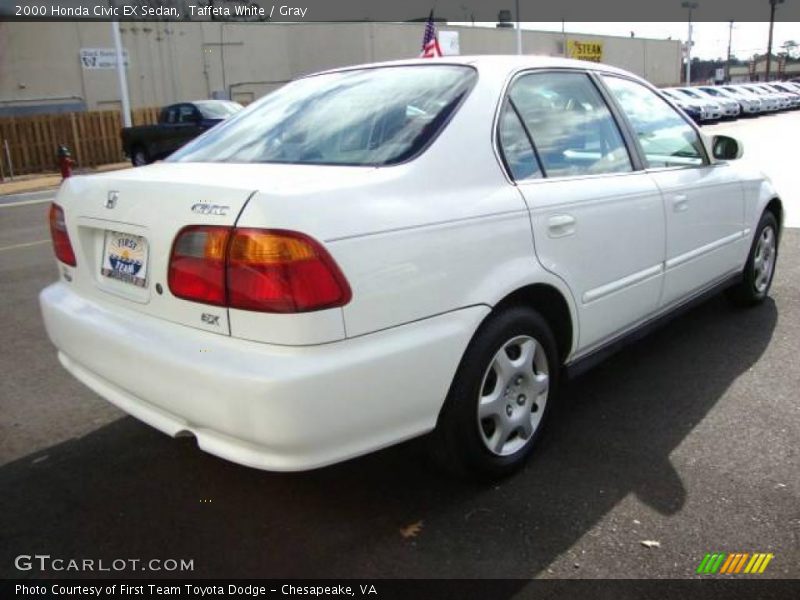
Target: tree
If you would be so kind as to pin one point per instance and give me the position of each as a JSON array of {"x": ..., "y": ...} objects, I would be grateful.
[{"x": 791, "y": 49}]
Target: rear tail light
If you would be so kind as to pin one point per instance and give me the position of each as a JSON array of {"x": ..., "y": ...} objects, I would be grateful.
[
  {"x": 58, "y": 231},
  {"x": 197, "y": 264},
  {"x": 282, "y": 271},
  {"x": 266, "y": 270}
]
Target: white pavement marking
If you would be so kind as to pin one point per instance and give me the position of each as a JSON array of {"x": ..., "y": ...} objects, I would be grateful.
[
  {"x": 25, "y": 245},
  {"x": 25, "y": 203}
]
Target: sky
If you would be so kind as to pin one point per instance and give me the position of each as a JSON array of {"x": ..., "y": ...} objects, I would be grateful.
[{"x": 710, "y": 39}]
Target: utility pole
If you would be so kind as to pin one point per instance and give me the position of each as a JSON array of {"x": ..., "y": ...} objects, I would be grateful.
[
  {"x": 728, "y": 64},
  {"x": 772, "y": 5},
  {"x": 519, "y": 31},
  {"x": 691, "y": 6}
]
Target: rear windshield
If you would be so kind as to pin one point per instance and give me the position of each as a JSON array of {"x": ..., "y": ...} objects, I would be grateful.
[{"x": 362, "y": 117}]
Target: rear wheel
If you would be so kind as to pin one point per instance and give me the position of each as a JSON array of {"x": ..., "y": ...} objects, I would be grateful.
[
  {"x": 760, "y": 267},
  {"x": 500, "y": 398},
  {"x": 139, "y": 157}
]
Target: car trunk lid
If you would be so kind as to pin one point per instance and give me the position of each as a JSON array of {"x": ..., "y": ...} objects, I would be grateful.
[{"x": 122, "y": 226}]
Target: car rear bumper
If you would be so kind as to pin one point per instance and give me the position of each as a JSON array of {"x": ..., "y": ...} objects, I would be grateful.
[{"x": 273, "y": 407}]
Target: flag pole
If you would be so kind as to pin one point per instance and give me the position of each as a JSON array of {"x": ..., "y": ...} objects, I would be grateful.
[{"x": 519, "y": 31}]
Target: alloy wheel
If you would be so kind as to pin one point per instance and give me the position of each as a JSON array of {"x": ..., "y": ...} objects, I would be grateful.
[
  {"x": 764, "y": 260},
  {"x": 513, "y": 395}
]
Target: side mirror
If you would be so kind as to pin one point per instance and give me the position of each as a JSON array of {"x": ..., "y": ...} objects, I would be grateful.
[{"x": 726, "y": 148}]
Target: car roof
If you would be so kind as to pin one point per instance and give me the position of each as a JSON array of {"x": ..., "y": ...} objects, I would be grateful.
[{"x": 507, "y": 62}]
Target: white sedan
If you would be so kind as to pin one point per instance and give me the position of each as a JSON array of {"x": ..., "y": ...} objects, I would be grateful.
[{"x": 378, "y": 252}]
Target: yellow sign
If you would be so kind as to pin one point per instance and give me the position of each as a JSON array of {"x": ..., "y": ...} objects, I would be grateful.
[{"x": 592, "y": 51}]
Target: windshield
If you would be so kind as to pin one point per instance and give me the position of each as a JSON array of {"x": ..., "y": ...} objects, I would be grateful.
[
  {"x": 217, "y": 109},
  {"x": 690, "y": 94},
  {"x": 739, "y": 91},
  {"x": 712, "y": 91},
  {"x": 361, "y": 117}
]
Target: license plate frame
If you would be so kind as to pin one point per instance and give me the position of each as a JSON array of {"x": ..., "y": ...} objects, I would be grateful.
[{"x": 125, "y": 258}]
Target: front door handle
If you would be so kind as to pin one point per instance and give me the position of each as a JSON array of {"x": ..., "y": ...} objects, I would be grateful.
[
  {"x": 560, "y": 226},
  {"x": 680, "y": 202}
]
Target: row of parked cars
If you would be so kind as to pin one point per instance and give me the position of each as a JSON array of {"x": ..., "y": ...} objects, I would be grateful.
[{"x": 714, "y": 102}]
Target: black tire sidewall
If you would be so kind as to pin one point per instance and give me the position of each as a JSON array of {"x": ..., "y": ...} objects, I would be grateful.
[{"x": 458, "y": 422}]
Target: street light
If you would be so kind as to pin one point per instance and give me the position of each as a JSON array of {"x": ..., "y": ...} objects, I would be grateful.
[
  {"x": 691, "y": 6},
  {"x": 772, "y": 4}
]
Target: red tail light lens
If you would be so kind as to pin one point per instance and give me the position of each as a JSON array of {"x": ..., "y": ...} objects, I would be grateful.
[
  {"x": 266, "y": 270},
  {"x": 58, "y": 231},
  {"x": 197, "y": 264},
  {"x": 282, "y": 271}
]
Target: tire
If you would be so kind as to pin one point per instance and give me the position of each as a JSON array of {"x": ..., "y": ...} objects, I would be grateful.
[
  {"x": 500, "y": 398},
  {"x": 760, "y": 267},
  {"x": 139, "y": 157}
]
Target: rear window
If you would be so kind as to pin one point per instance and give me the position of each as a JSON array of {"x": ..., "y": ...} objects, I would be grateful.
[{"x": 362, "y": 117}]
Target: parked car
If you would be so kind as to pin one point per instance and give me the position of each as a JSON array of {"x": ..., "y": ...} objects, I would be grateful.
[
  {"x": 177, "y": 124},
  {"x": 379, "y": 252},
  {"x": 767, "y": 103},
  {"x": 747, "y": 105},
  {"x": 713, "y": 111},
  {"x": 785, "y": 100},
  {"x": 774, "y": 101},
  {"x": 730, "y": 108},
  {"x": 693, "y": 107},
  {"x": 790, "y": 95}
]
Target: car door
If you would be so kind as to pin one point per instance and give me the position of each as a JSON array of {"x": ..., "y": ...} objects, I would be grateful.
[
  {"x": 703, "y": 199},
  {"x": 598, "y": 223}
]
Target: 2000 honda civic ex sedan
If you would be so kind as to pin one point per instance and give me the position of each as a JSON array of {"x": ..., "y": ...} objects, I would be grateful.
[{"x": 377, "y": 252}]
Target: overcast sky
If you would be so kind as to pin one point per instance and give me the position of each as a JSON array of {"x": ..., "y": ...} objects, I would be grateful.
[{"x": 711, "y": 39}]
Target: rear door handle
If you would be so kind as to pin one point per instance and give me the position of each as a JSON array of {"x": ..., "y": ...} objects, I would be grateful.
[
  {"x": 680, "y": 202},
  {"x": 560, "y": 226}
]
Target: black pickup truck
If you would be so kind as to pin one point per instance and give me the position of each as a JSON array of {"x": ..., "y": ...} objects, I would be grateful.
[{"x": 177, "y": 124}]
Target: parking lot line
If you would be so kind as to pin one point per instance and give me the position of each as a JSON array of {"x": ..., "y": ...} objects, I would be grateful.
[
  {"x": 25, "y": 203},
  {"x": 25, "y": 245}
]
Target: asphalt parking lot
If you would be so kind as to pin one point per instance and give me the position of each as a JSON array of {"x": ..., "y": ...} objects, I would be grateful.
[{"x": 688, "y": 438}]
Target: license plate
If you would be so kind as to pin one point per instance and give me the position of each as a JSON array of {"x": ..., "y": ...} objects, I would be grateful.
[{"x": 125, "y": 258}]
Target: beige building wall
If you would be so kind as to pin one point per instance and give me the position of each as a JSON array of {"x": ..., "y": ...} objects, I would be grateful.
[
  {"x": 171, "y": 62},
  {"x": 742, "y": 74}
]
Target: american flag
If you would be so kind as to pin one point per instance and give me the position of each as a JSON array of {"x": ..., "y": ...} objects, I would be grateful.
[{"x": 430, "y": 42}]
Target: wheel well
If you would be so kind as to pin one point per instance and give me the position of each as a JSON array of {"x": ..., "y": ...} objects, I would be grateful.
[
  {"x": 776, "y": 208},
  {"x": 553, "y": 307}
]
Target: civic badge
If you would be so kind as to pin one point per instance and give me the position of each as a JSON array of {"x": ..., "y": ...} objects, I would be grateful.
[
  {"x": 204, "y": 208},
  {"x": 111, "y": 201}
]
